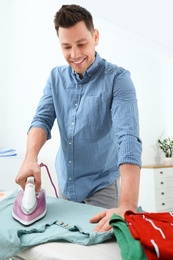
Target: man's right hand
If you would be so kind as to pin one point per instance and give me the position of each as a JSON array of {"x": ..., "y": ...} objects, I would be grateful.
[{"x": 29, "y": 169}]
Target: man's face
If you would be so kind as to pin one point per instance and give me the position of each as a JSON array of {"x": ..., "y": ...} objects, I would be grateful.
[{"x": 78, "y": 46}]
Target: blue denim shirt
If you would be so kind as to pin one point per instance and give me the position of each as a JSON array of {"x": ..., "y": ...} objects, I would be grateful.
[{"x": 98, "y": 123}]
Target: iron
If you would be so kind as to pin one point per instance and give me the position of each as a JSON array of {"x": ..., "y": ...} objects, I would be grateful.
[{"x": 29, "y": 205}]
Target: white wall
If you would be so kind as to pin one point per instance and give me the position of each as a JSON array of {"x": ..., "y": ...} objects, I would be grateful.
[{"x": 29, "y": 48}]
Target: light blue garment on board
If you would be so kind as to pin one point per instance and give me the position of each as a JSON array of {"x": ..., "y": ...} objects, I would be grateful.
[{"x": 64, "y": 221}]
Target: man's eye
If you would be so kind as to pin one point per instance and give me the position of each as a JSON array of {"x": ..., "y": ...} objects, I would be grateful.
[
  {"x": 66, "y": 47},
  {"x": 81, "y": 45}
]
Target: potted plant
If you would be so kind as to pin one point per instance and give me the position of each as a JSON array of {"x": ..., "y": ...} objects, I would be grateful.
[{"x": 166, "y": 145}]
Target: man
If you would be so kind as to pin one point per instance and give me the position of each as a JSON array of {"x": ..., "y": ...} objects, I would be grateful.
[{"x": 95, "y": 105}]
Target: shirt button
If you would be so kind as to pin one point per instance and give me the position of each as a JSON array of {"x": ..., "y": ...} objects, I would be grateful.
[
  {"x": 69, "y": 161},
  {"x": 72, "y": 123},
  {"x": 70, "y": 179},
  {"x": 70, "y": 143}
]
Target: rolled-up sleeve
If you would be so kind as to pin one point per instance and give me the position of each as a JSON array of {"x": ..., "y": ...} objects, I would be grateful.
[
  {"x": 125, "y": 119},
  {"x": 45, "y": 113}
]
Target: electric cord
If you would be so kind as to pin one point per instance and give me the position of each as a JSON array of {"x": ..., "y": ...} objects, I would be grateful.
[{"x": 50, "y": 178}]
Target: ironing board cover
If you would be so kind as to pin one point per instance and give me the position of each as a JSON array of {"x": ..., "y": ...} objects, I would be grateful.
[{"x": 64, "y": 221}]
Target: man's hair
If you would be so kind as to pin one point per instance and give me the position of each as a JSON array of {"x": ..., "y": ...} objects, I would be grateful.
[{"x": 69, "y": 15}]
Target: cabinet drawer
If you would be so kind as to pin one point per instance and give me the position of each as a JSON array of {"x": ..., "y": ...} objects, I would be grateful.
[
  {"x": 163, "y": 183},
  {"x": 164, "y": 194},
  {"x": 163, "y": 172},
  {"x": 162, "y": 205}
]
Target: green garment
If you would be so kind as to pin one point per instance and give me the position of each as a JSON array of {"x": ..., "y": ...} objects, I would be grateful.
[{"x": 131, "y": 249}]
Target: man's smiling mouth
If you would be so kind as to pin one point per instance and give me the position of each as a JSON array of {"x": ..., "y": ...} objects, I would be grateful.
[{"x": 78, "y": 62}]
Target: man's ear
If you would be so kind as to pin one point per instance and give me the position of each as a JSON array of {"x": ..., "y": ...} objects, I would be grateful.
[{"x": 96, "y": 36}]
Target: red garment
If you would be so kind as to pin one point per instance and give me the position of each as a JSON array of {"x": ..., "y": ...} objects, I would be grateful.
[{"x": 155, "y": 232}]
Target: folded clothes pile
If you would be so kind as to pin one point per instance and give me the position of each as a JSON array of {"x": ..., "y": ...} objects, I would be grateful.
[
  {"x": 7, "y": 152},
  {"x": 144, "y": 235}
]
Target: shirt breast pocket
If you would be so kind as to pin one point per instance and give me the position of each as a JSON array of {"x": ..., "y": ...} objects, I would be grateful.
[
  {"x": 96, "y": 115},
  {"x": 92, "y": 110}
]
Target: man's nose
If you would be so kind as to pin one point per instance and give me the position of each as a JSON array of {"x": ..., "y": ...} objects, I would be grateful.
[{"x": 74, "y": 52}]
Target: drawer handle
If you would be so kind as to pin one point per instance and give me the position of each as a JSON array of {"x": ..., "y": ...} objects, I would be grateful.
[
  {"x": 161, "y": 182},
  {"x": 162, "y": 193},
  {"x": 161, "y": 172}
]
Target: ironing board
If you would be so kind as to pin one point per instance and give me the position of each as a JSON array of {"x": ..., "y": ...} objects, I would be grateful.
[{"x": 69, "y": 251}]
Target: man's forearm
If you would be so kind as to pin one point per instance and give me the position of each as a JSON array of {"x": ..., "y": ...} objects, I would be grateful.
[
  {"x": 36, "y": 139},
  {"x": 129, "y": 188}
]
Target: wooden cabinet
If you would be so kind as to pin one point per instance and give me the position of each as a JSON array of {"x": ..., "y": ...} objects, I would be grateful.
[{"x": 156, "y": 188}]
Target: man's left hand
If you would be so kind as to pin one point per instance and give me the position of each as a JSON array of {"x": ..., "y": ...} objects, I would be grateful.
[{"x": 104, "y": 217}]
